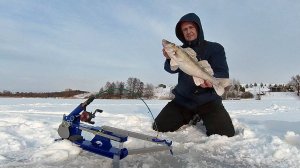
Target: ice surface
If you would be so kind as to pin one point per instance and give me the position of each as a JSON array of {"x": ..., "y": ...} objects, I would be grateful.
[{"x": 267, "y": 134}]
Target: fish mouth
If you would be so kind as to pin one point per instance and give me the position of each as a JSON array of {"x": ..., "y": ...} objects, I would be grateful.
[{"x": 165, "y": 42}]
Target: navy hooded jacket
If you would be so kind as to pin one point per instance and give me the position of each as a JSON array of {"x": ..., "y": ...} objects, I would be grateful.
[{"x": 186, "y": 92}]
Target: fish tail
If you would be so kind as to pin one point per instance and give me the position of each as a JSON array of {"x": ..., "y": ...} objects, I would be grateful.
[{"x": 220, "y": 84}]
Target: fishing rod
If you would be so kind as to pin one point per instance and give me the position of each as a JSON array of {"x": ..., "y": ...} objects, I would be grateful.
[{"x": 133, "y": 93}]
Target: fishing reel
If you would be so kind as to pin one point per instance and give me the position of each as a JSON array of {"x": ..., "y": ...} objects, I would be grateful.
[{"x": 86, "y": 116}]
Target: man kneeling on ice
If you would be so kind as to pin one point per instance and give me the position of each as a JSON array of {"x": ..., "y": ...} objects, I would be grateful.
[{"x": 196, "y": 98}]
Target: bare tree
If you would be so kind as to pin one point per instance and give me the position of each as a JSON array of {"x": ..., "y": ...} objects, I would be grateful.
[
  {"x": 140, "y": 89},
  {"x": 148, "y": 91},
  {"x": 120, "y": 87},
  {"x": 295, "y": 82},
  {"x": 135, "y": 87}
]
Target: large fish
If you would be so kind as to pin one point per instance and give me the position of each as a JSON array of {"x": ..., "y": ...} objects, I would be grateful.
[{"x": 185, "y": 59}]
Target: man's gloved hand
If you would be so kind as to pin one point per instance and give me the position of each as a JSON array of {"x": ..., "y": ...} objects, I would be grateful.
[{"x": 196, "y": 118}]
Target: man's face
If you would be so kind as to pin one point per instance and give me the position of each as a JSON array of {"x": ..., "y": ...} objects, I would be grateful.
[{"x": 189, "y": 31}]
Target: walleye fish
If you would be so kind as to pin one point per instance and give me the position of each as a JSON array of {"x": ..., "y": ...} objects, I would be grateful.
[{"x": 185, "y": 59}]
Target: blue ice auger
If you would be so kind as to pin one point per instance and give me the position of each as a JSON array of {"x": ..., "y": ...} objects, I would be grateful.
[{"x": 71, "y": 128}]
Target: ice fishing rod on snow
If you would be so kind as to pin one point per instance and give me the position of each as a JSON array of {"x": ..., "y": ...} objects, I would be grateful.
[{"x": 74, "y": 123}]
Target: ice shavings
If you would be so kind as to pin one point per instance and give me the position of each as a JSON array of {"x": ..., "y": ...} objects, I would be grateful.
[
  {"x": 276, "y": 107},
  {"x": 56, "y": 152},
  {"x": 9, "y": 143},
  {"x": 293, "y": 139},
  {"x": 284, "y": 153}
]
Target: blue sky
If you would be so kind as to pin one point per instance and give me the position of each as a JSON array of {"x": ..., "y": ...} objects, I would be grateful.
[{"x": 54, "y": 45}]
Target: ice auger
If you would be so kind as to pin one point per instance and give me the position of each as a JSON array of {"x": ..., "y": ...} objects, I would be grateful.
[{"x": 71, "y": 128}]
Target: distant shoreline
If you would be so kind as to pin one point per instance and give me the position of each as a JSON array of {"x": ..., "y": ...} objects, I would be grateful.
[{"x": 61, "y": 94}]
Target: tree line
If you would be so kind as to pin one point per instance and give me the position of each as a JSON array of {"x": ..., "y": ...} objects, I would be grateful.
[
  {"x": 132, "y": 89},
  {"x": 135, "y": 88},
  {"x": 236, "y": 90},
  {"x": 64, "y": 94}
]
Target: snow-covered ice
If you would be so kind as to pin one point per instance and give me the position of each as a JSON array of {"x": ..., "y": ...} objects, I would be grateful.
[{"x": 267, "y": 134}]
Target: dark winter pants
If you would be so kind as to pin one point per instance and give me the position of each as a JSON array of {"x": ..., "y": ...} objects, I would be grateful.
[{"x": 213, "y": 114}]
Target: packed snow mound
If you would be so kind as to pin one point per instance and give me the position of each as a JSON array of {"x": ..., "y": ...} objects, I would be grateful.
[{"x": 163, "y": 93}]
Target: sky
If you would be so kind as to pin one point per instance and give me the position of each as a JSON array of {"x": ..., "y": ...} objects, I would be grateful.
[{"x": 55, "y": 45}]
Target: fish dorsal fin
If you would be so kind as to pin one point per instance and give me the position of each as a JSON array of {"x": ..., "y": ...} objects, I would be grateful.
[
  {"x": 191, "y": 53},
  {"x": 221, "y": 83},
  {"x": 204, "y": 64}
]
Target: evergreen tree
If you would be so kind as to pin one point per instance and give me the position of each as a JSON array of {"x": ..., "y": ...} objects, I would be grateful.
[{"x": 261, "y": 85}]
